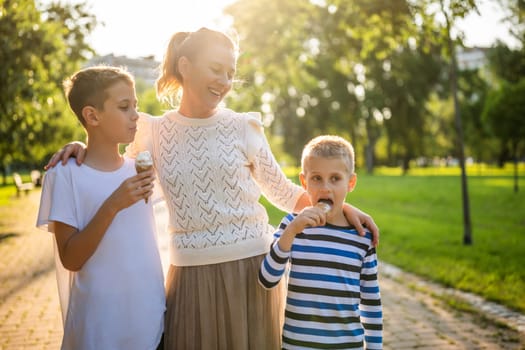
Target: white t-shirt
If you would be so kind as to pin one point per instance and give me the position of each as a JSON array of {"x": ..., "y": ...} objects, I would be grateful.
[{"x": 117, "y": 299}]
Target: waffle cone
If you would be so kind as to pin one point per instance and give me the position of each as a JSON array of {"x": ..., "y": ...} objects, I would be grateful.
[{"x": 141, "y": 169}]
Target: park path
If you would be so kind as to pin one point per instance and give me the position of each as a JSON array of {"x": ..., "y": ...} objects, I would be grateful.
[{"x": 414, "y": 317}]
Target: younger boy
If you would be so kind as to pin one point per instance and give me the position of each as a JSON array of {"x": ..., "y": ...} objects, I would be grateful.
[
  {"x": 104, "y": 231},
  {"x": 333, "y": 297}
]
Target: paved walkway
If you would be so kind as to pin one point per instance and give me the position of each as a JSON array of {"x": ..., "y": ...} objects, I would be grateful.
[{"x": 414, "y": 317}]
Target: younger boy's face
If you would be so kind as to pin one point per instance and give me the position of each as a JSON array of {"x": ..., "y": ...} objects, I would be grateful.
[
  {"x": 118, "y": 120},
  {"x": 327, "y": 179}
]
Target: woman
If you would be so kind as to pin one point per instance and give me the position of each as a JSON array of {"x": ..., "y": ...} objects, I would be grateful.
[{"x": 213, "y": 164}]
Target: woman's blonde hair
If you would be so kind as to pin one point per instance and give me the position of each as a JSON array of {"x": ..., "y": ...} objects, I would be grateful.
[{"x": 190, "y": 45}]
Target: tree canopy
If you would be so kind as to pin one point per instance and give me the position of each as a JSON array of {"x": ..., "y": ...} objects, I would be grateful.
[
  {"x": 373, "y": 71},
  {"x": 40, "y": 47},
  {"x": 505, "y": 113}
]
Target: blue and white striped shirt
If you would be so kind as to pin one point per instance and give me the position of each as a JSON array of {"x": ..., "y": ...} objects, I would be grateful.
[{"x": 333, "y": 297}]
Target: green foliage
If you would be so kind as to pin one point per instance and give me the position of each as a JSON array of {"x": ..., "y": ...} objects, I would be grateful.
[
  {"x": 507, "y": 64},
  {"x": 473, "y": 89},
  {"x": 147, "y": 98},
  {"x": 39, "y": 49},
  {"x": 374, "y": 72},
  {"x": 516, "y": 18},
  {"x": 362, "y": 69},
  {"x": 504, "y": 112}
]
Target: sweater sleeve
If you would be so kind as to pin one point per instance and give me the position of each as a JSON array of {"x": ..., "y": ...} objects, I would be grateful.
[
  {"x": 274, "y": 264},
  {"x": 274, "y": 184},
  {"x": 370, "y": 303}
]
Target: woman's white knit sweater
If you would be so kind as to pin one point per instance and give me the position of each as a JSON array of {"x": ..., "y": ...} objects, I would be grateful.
[{"x": 212, "y": 172}]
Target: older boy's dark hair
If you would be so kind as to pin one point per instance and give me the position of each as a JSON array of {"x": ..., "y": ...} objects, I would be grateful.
[{"x": 88, "y": 87}]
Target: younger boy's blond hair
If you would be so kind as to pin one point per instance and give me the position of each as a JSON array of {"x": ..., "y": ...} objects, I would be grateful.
[{"x": 329, "y": 146}]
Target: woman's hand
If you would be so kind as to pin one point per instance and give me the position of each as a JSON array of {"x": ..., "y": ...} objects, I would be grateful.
[
  {"x": 74, "y": 149},
  {"x": 360, "y": 220}
]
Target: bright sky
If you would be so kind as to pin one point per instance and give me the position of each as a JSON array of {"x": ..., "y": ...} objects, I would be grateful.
[{"x": 143, "y": 28}]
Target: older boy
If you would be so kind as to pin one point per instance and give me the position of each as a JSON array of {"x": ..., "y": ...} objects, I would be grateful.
[
  {"x": 333, "y": 297},
  {"x": 104, "y": 231}
]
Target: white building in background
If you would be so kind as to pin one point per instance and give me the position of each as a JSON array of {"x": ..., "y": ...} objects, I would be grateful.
[
  {"x": 471, "y": 57},
  {"x": 145, "y": 68}
]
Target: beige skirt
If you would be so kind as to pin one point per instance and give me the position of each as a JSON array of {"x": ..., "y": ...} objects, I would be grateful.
[{"x": 222, "y": 307}]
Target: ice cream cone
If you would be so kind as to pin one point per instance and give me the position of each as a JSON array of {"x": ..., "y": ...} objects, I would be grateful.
[
  {"x": 143, "y": 162},
  {"x": 324, "y": 206}
]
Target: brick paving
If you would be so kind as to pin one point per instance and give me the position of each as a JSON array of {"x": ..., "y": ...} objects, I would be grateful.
[{"x": 414, "y": 317}]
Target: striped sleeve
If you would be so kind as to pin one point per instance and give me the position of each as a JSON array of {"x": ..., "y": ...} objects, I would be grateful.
[
  {"x": 274, "y": 264},
  {"x": 370, "y": 304}
]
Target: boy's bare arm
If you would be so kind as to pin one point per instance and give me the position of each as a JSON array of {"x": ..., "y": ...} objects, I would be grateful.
[{"x": 76, "y": 247}]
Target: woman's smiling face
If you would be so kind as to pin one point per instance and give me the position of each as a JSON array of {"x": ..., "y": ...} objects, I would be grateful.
[{"x": 206, "y": 80}]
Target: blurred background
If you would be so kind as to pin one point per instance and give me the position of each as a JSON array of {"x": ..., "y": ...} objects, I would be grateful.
[{"x": 430, "y": 92}]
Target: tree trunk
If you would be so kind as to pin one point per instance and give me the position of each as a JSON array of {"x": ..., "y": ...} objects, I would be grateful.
[
  {"x": 370, "y": 156},
  {"x": 515, "y": 151},
  {"x": 406, "y": 164},
  {"x": 467, "y": 231},
  {"x": 4, "y": 176}
]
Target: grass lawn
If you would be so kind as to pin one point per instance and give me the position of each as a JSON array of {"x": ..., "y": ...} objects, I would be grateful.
[
  {"x": 8, "y": 191},
  {"x": 421, "y": 222}
]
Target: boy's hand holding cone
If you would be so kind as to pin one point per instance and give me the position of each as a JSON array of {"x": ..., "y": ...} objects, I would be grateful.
[{"x": 143, "y": 162}]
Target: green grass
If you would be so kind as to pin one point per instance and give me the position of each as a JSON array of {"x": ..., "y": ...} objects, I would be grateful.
[
  {"x": 8, "y": 191},
  {"x": 5, "y": 193},
  {"x": 421, "y": 222}
]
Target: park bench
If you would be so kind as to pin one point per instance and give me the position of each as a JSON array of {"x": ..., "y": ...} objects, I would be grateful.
[
  {"x": 20, "y": 185},
  {"x": 36, "y": 178}
]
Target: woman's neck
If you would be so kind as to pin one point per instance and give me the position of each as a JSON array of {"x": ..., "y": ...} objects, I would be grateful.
[{"x": 198, "y": 112}]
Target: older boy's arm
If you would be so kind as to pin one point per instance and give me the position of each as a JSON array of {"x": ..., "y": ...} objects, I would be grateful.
[
  {"x": 370, "y": 303},
  {"x": 76, "y": 247}
]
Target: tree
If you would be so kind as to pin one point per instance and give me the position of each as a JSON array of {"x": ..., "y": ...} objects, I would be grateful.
[
  {"x": 504, "y": 111},
  {"x": 38, "y": 51},
  {"x": 275, "y": 64},
  {"x": 507, "y": 64},
  {"x": 324, "y": 67},
  {"x": 473, "y": 87},
  {"x": 516, "y": 18},
  {"x": 450, "y": 11}
]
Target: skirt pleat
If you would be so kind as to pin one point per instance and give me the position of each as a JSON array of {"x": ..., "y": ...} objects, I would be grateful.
[{"x": 222, "y": 307}]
